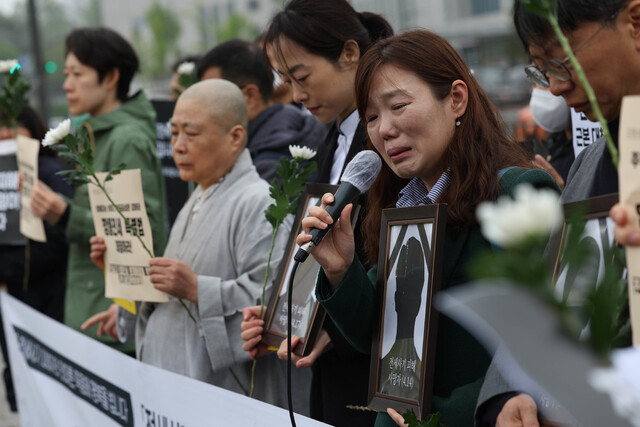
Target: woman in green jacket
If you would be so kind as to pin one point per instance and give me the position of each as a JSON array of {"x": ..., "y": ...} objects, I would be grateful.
[
  {"x": 99, "y": 67},
  {"x": 442, "y": 141}
]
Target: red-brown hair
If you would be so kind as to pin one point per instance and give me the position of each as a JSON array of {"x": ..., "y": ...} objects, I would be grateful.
[{"x": 480, "y": 147}]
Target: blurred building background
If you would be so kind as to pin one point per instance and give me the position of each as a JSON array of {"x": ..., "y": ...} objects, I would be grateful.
[{"x": 164, "y": 30}]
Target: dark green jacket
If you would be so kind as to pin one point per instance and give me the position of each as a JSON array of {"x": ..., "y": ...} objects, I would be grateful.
[
  {"x": 126, "y": 134},
  {"x": 461, "y": 361}
]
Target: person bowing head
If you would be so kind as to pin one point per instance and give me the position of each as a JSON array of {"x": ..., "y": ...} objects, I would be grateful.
[{"x": 315, "y": 47}]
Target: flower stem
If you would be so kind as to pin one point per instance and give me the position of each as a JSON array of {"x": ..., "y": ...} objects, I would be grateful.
[
  {"x": 553, "y": 20},
  {"x": 266, "y": 275},
  {"x": 135, "y": 233},
  {"x": 264, "y": 288},
  {"x": 235, "y": 377}
]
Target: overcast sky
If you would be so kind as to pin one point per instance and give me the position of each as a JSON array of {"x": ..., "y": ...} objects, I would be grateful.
[{"x": 7, "y": 6}]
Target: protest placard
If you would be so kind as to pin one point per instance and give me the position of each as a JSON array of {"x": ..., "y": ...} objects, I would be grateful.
[
  {"x": 64, "y": 378},
  {"x": 126, "y": 259},
  {"x": 28, "y": 149},
  {"x": 629, "y": 190}
]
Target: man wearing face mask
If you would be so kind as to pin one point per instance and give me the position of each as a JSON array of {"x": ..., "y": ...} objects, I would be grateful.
[{"x": 552, "y": 114}]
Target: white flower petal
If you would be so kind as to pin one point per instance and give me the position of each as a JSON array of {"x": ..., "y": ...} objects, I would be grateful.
[
  {"x": 508, "y": 221},
  {"x": 7, "y": 65},
  {"x": 55, "y": 135},
  {"x": 301, "y": 153},
  {"x": 186, "y": 68}
]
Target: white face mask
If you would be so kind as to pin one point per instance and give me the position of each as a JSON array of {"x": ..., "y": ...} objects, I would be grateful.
[{"x": 550, "y": 112}]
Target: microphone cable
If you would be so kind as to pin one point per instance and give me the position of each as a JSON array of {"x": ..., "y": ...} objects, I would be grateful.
[{"x": 289, "y": 321}]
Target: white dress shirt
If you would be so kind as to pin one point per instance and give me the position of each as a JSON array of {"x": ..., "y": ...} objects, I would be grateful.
[{"x": 347, "y": 130}]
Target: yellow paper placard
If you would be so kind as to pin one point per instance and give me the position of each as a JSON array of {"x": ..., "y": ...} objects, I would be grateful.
[{"x": 130, "y": 306}]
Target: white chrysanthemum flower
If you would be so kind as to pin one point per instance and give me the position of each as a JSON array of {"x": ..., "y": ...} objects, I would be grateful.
[
  {"x": 301, "y": 153},
  {"x": 56, "y": 134},
  {"x": 186, "y": 68},
  {"x": 6, "y": 65},
  {"x": 509, "y": 221}
]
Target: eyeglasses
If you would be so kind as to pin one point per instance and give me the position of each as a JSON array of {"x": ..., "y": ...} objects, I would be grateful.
[{"x": 557, "y": 67}]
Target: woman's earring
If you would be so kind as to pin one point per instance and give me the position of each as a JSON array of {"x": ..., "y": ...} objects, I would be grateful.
[{"x": 458, "y": 122}]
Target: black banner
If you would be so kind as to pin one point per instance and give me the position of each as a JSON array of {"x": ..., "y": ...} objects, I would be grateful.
[
  {"x": 104, "y": 396},
  {"x": 177, "y": 190},
  {"x": 9, "y": 202}
]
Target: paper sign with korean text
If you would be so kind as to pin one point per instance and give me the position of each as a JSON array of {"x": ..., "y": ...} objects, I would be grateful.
[
  {"x": 126, "y": 260},
  {"x": 585, "y": 132},
  {"x": 31, "y": 226},
  {"x": 629, "y": 182}
]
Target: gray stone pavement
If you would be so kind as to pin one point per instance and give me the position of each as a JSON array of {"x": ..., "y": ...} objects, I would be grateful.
[{"x": 7, "y": 418}]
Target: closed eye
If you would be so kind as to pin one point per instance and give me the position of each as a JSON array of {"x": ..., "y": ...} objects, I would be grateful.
[
  {"x": 398, "y": 107},
  {"x": 371, "y": 118}
]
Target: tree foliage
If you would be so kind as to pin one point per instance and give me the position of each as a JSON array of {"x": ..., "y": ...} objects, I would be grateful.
[
  {"x": 165, "y": 30},
  {"x": 236, "y": 26}
]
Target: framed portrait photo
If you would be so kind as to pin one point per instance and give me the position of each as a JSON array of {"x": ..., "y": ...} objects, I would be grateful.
[
  {"x": 307, "y": 313},
  {"x": 404, "y": 339},
  {"x": 572, "y": 283}
]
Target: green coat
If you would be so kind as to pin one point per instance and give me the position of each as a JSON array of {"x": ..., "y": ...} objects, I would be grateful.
[
  {"x": 461, "y": 361},
  {"x": 126, "y": 134}
]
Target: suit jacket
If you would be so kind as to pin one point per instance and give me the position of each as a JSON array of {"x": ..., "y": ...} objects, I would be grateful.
[
  {"x": 341, "y": 375},
  {"x": 328, "y": 149}
]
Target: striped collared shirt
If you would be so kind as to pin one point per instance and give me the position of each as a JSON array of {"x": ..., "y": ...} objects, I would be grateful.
[{"x": 415, "y": 193}]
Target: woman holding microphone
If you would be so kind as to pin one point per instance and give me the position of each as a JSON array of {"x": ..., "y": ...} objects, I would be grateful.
[{"x": 432, "y": 124}]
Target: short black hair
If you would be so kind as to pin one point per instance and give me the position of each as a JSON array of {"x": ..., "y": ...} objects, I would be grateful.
[
  {"x": 241, "y": 62},
  {"x": 532, "y": 28},
  {"x": 30, "y": 119},
  {"x": 323, "y": 27},
  {"x": 104, "y": 50}
]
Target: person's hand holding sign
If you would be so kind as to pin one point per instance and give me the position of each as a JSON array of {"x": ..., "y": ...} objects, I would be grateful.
[
  {"x": 174, "y": 277},
  {"x": 47, "y": 204}
]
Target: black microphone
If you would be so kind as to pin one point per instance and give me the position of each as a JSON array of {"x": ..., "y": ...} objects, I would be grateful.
[{"x": 358, "y": 176}]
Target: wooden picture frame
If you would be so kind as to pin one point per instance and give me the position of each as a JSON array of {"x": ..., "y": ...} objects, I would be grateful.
[
  {"x": 308, "y": 313},
  {"x": 598, "y": 234},
  {"x": 411, "y": 239}
]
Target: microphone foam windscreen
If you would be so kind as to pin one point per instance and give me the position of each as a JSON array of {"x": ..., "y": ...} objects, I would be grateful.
[{"x": 362, "y": 170}]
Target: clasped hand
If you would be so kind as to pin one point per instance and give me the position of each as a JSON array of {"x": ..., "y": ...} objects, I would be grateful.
[
  {"x": 46, "y": 203},
  {"x": 167, "y": 275},
  {"x": 253, "y": 327}
]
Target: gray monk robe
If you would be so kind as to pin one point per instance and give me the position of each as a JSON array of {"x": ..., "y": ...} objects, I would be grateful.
[{"x": 226, "y": 244}]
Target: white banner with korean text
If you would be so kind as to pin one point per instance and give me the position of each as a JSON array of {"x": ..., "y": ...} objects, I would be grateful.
[
  {"x": 584, "y": 131},
  {"x": 63, "y": 378}
]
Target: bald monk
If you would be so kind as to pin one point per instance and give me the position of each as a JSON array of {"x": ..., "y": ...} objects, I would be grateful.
[{"x": 216, "y": 255}]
